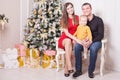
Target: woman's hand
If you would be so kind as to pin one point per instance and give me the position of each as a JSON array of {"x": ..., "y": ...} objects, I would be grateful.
[{"x": 79, "y": 41}]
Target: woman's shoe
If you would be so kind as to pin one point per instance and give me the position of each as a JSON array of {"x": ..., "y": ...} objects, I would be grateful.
[
  {"x": 70, "y": 71},
  {"x": 66, "y": 74}
]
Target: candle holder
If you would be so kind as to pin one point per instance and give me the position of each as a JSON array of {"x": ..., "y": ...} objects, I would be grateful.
[{"x": 3, "y": 20}]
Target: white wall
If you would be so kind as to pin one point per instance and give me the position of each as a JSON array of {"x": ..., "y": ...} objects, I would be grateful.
[
  {"x": 11, "y": 34},
  {"x": 30, "y": 6},
  {"x": 108, "y": 10},
  {"x": 17, "y": 11},
  {"x": 24, "y": 13}
]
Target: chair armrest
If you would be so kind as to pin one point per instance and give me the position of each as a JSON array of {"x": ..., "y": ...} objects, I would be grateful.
[
  {"x": 104, "y": 41},
  {"x": 56, "y": 39}
]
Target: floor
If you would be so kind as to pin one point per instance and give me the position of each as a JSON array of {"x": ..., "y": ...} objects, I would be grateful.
[{"x": 51, "y": 74}]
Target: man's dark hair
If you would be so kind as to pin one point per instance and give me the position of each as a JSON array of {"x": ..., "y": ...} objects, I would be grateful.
[{"x": 87, "y": 4}]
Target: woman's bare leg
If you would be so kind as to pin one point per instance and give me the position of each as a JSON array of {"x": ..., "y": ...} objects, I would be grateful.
[{"x": 68, "y": 53}]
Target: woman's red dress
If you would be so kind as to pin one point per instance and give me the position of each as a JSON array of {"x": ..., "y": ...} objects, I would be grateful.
[{"x": 71, "y": 29}]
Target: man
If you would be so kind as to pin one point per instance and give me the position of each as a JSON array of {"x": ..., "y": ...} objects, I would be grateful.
[{"x": 97, "y": 28}]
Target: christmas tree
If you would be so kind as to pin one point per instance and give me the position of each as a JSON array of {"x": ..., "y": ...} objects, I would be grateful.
[{"x": 43, "y": 24}]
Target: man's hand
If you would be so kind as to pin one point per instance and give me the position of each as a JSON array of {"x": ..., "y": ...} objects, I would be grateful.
[{"x": 87, "y": 43}]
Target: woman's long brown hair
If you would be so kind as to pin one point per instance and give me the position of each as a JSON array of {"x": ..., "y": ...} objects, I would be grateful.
[{"x": 64, "y": 20}]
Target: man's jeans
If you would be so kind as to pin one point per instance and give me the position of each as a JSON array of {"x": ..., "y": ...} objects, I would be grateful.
[{"x": 94, "y": 47}]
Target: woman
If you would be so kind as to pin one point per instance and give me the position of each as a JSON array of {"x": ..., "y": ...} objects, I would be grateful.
[{"x": 69, "y": 23}]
